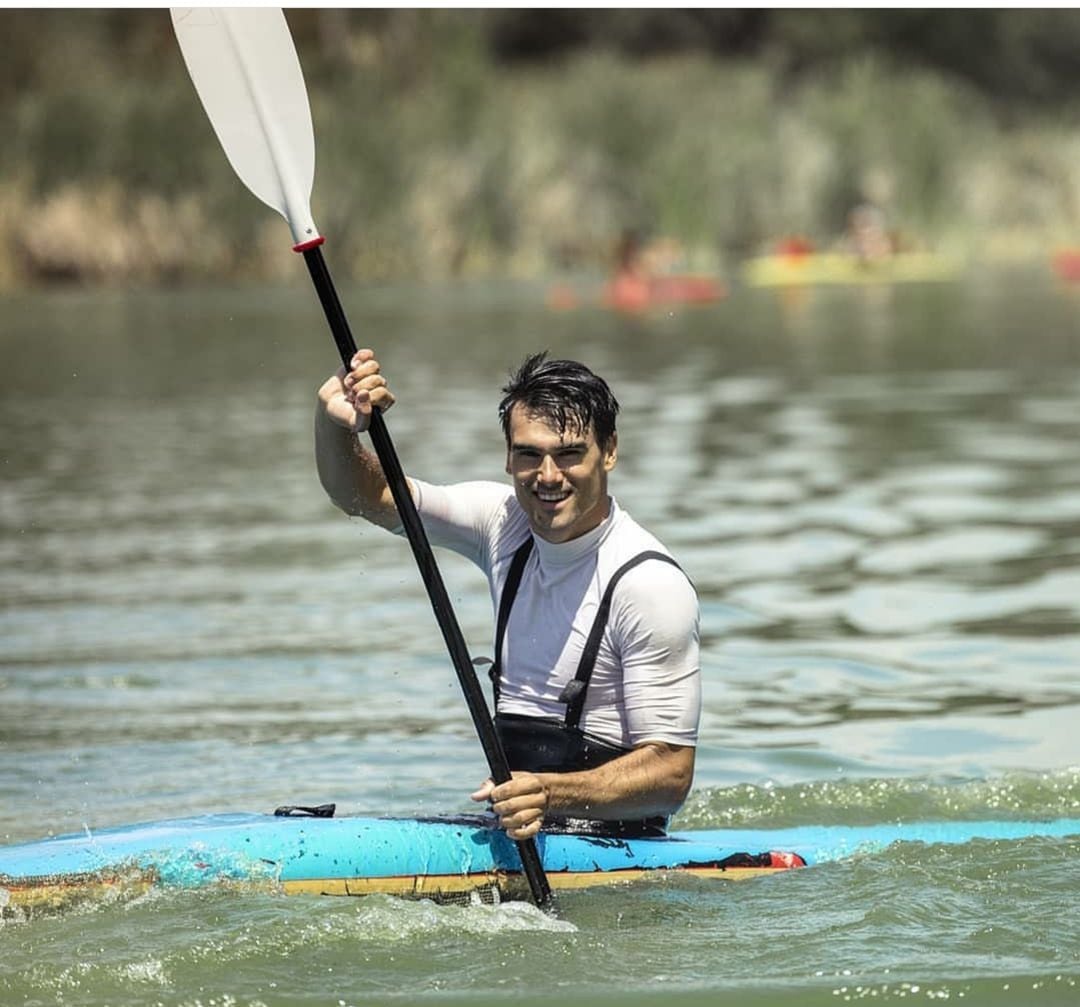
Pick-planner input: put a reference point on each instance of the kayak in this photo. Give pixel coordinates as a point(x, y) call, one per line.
point(844, 268)
point(1066, 263)
point(444, 859)
point(632, 295)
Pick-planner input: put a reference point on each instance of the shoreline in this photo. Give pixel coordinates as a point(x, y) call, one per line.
point(532, 173)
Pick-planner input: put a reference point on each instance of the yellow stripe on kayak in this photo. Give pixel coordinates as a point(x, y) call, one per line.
point(433, 886)
point(48, 895)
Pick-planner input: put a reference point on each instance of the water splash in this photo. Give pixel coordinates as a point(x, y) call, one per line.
point(1033, 796)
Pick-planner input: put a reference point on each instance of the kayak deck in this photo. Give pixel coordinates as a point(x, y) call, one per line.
point(447, 859)
point(444, 859)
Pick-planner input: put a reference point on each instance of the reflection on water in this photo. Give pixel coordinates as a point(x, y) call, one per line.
point(876, 492)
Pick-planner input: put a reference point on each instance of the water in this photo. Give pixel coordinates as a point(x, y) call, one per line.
point(876, 491)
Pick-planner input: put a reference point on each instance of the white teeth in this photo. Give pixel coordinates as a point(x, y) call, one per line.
point(552, 497)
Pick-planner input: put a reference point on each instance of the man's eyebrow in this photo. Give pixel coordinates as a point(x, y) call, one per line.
point(563, 446)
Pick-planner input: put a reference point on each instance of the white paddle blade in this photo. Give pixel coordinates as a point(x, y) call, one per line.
point(244, 66)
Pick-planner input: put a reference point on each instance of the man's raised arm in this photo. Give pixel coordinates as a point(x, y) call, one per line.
point(350, 474)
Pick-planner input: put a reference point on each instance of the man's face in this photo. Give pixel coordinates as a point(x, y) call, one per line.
point(560, 478)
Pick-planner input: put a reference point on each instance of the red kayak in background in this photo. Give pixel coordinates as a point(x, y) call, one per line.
point(1066, 263)
point(645, 277)
point(632, 294)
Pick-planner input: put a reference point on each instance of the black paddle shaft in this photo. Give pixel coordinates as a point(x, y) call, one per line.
point(429, 570)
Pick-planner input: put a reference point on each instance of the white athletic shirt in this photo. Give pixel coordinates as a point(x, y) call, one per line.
point(646, 684)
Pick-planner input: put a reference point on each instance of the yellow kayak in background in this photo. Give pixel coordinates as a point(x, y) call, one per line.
point(844, 268)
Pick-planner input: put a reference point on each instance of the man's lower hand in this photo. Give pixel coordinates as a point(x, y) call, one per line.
point(520, 803)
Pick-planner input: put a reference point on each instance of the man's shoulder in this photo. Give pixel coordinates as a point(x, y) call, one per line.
point(649, 578)
point(497, 497)
point(653, 578)
point(480, 504)
point(480, 493)
point(497, 509)
point(628, 538)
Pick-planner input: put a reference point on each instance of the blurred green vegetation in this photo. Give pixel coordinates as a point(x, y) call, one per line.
point(523, 142)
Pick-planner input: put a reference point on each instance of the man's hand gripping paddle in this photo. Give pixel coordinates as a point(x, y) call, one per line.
point(247, 74)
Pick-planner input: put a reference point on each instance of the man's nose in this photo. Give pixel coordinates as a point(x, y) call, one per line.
point(549, 471)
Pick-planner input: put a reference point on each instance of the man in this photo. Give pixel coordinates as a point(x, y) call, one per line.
point(596, 651)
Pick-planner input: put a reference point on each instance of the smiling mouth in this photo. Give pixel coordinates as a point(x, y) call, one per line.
point(552, 496)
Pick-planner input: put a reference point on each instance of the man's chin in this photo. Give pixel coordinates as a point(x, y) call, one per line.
point(557, 531)
point(548, 530)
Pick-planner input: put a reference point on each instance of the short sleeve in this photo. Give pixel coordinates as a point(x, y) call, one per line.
point(655, 628)
point(460, 517)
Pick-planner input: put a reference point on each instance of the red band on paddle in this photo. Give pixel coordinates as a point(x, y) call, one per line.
point(305, 245)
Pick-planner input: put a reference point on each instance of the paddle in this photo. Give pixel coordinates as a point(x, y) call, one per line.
point(247, 74)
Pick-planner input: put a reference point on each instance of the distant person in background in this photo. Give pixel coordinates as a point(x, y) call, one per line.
point(794, 246)
point(645, 276)
point(630, 287)
point(867, 236)
point(596, 651)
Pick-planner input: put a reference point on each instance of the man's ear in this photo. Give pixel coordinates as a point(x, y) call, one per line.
point(611, 453)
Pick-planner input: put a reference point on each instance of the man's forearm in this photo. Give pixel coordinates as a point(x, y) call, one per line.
point(350, 474)
point(651, 780)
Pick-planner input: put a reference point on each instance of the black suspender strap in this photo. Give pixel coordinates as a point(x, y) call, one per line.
point(574, 692)
point(506, 601)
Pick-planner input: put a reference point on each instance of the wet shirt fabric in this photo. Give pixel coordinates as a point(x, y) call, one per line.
point(646, 681)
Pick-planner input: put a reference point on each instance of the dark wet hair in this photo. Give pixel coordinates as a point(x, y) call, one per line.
point(565, 393)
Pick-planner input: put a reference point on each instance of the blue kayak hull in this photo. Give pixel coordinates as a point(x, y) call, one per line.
point(438, 858)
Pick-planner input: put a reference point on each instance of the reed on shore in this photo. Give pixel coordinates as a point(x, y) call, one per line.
point(452, 163)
